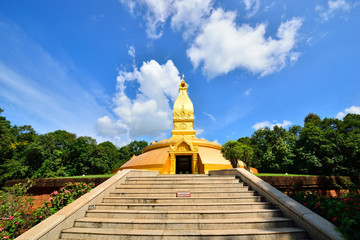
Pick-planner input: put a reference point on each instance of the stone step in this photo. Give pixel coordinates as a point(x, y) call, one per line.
point(174, 181)
point(187, 206)
point(182, 200)
point(187, 176)
point(180, 189)
point(242, 234)
point(219, 208)
point(184, 224)
point(154, 193)
point(172, 190)
point(183, 214)
point(187, 185)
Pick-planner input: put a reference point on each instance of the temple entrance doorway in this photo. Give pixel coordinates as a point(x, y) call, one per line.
point(183, 165)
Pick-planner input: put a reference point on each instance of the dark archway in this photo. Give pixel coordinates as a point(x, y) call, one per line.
point(183, 164)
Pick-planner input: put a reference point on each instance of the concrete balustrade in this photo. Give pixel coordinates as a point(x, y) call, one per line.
point(227, 204)
point(317, 227)
point(51, 228)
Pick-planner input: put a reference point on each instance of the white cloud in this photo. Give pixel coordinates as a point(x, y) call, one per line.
point(333, 7)
point(222, 46)
point(294, 56)
point(159, 11)
point(247, 92)
point(131, 51)
point(185, 14)
point(217, 42)
point(156, 14)
point(149, 113)
point(190, 15)
point(199, 131)
point(130, 4)
point(97, 17)
point(270, 125)
point(107, 127)
point(269, 6)
point(252, 6)
point(212, 118)
point(352, 109)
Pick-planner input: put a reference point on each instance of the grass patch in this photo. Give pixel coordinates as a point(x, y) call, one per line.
point(109, 175)
point(282, 175)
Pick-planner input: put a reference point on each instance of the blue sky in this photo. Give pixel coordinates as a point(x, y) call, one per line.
point(110, 69)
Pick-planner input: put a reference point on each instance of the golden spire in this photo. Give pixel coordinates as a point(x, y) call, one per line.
point(183, 112)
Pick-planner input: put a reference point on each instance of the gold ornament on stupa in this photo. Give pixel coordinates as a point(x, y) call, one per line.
point(183, 113)
point(183, 153)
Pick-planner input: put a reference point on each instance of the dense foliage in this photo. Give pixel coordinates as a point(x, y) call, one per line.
point(27, 154)
point(321, 147)
point(344, 211)
point(15, 211)
point(233, 150)
point(61, 198)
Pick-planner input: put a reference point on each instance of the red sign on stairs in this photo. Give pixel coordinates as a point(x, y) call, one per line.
point(183, 194)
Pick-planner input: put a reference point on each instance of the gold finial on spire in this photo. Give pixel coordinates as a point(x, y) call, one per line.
point(183, 112)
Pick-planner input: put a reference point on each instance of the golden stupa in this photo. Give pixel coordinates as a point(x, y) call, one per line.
point(183, 153)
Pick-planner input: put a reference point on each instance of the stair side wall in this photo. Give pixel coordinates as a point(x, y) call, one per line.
point(51, 228)
point(317, 227)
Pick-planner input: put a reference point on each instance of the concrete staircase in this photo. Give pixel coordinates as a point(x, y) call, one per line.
point(220, 207)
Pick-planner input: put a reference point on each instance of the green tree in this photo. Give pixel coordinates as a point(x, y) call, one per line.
point(126, 152)
point(274, 149)
point(14, 141)
point(320, 142)
point(124, 156)
point(311, 117)
point(231, 151)
point(6, 138)
point(108, 154)
point(246, 155)
point(25, 154)
point(245, 140)
point(351, 144)
point(326, 146)
point(82, 157)
point(136, 147)
point(47, 156)
point(234, 151)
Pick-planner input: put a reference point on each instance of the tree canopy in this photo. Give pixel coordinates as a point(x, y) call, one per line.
point(326, 146)
point(27, 154)
point(235, 150)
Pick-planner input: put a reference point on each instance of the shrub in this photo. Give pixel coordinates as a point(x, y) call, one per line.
point(15, 205)
point(344, 211)
point(61, 198)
